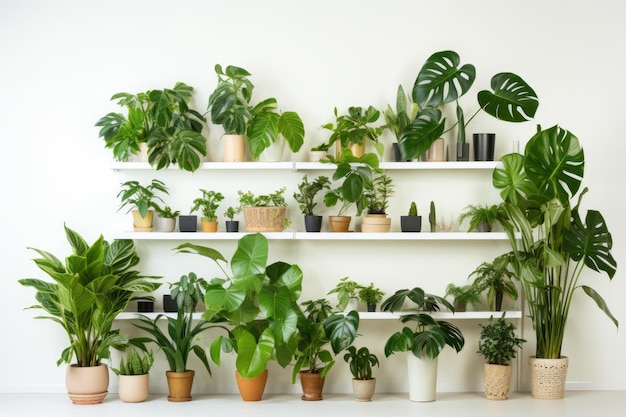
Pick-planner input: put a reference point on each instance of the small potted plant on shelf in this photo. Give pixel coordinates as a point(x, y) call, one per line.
point(360, 363)
point(143, 201)
point(168, 218)
point(306, 200)
point(423, 343)
point(318, 327)
point(377, 195)
point(463, 295)
point(482, 217)
point(319, 153)
point(400, 120)
point(347, 294)
point(412, 222)
point(351, 130)
point(498, 344)
point(178, 339)
point(159, 121)
point(133, 376)
point(264, 212)
point(232, 225)
point(497, 280)
point(94, 284)
point(371, 295)
point(208, 205)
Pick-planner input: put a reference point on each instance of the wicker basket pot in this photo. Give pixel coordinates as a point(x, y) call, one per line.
point(264, 219)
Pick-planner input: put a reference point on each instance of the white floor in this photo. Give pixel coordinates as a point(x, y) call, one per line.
point(575, 403)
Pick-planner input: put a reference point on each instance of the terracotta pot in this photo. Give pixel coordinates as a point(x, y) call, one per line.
point(133, 388)
point(339, 223)
point(142, 224)
point(497, 381)
point(251, 389)
point(234, 148)
point(363, 388)
point(547, 377)
point(179, 385)
point(376, 223)
point(87, 385)
point(264, 219)
point(312, 386)
point(208, 226)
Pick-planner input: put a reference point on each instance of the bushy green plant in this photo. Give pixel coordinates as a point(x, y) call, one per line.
point(307, 192)
point(249, 199)
point(231, 212)
point(142, 197)
point(480, 213)
point(167, 212)
point(463, 295)
point(355, 127)
point(377, 194)
point(371, 294)
point(345, 290)
point(208, 204)
point(136, 363)
point(496, 279)
point(360, 362)
point(498, 341)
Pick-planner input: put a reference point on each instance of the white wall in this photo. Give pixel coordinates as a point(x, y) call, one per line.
point(62, 60)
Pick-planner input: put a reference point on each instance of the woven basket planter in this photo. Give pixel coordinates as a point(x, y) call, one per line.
point(547, 377)
point(264, 219)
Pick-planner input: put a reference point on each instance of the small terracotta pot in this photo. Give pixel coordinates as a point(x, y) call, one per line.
point(208, 226)
point(179, 385)
point(312, 386)
point(339, 223)
point(251, 389)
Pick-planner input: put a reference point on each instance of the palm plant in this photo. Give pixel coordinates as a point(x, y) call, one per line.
point(496, 279)
point(88, 291)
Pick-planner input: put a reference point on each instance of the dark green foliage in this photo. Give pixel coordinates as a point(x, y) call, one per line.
point(498, 341)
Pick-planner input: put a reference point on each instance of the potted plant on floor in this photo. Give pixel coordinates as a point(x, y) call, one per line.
point(133, 376)
point(160, 121)
point(463, 295)
point(497, 280)
point(412, 222)
point(208, 205)
point(377, 195)
point(347, 294)
point(360, 363)
point(551, 245)
point(232, 225)
point(371, 295)
point(179, 337)
point(423, 343)
point(89, 290)
point(351, 130)
point(306, 200)
point(259, 303)
point(498, 344)
point(168, 218)
point(264, 212)
point(318, 327)
point(482, 217)
point(143, 200)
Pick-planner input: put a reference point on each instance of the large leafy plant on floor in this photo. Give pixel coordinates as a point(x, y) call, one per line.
point(94, 284)
point(257, 300)
point(542, 193)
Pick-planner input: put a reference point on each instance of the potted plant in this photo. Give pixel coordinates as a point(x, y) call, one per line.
point(259, 303)
point(318, 327)
point(347, 294)
point(371, 295)
point(354, 175)
point(496, 279)
point(162, 122)
point(143, 200)
point(264, 212)
point(232, 225)
point(424, 342)
point(319, 152)
point(208, 205)
point(442, 80)
point(399, 120)
point(259, 125)
point(463, 295)
point(351, 130)
point(179, 337)
point(89, 290)
point(360, 363)
point(168, 218)
point(498, 344)
point(482, 217)
point(377, 195)
point(306, 200)
point(551, 245)
point(133, 376)
point(412, 222)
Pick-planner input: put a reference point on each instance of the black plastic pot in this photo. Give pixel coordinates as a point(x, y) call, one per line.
point(169, 304)
point(232, 226)
point(411, 223)
point(145, 306)
point(484, 146)
point(187, 223)
point(312, 223)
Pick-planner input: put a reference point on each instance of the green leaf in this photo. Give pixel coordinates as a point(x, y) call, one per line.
point(427, 127)
point(250, 258)
point(291, 127)
point(512, 100)
point(341, 329)
point(262, 132)
point(252, 357)
point(590, 242)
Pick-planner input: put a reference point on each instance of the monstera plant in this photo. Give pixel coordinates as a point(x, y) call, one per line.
point(442, 80)
point(542, 193)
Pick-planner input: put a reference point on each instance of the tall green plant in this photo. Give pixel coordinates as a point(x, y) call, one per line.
point(542, 196)
point(94, 284)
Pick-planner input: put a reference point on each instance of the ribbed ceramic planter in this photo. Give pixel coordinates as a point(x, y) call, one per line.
point(376, 223)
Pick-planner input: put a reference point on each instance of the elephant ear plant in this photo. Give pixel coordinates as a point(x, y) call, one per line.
point(94, 284)
point(542, 193)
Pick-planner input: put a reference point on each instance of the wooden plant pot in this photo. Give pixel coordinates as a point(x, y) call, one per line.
point(179, 385)
point(339, 223)
point(142, 224)
point(312, 386)
point(251, 389)
point(376, 223)
point(497, 381)
point(133, 388)
point(208, 226)
point(264, 219)
point(363, 388)
point(87, 385)
point(547, 377)
point(234, 148)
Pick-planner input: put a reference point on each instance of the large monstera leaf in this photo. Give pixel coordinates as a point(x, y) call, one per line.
point(512, 99)
point(511, 179)
point(441, 80)
point(555, 163)
point(427, 127)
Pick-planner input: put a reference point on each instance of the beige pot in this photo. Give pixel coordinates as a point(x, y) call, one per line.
point(87, 385)
point(264, 219)
point(179, 385)
point(497, 381)
point(251, 389)
point(375, 223)
point(142, 156)
point(234, 148)
point(363, 388)
point(208, 226)
point(437, 151)
point(547, 377)
point(133, 388)
point(339, 223)
point(316, 156)
point(142, 224)
point(167, 224)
